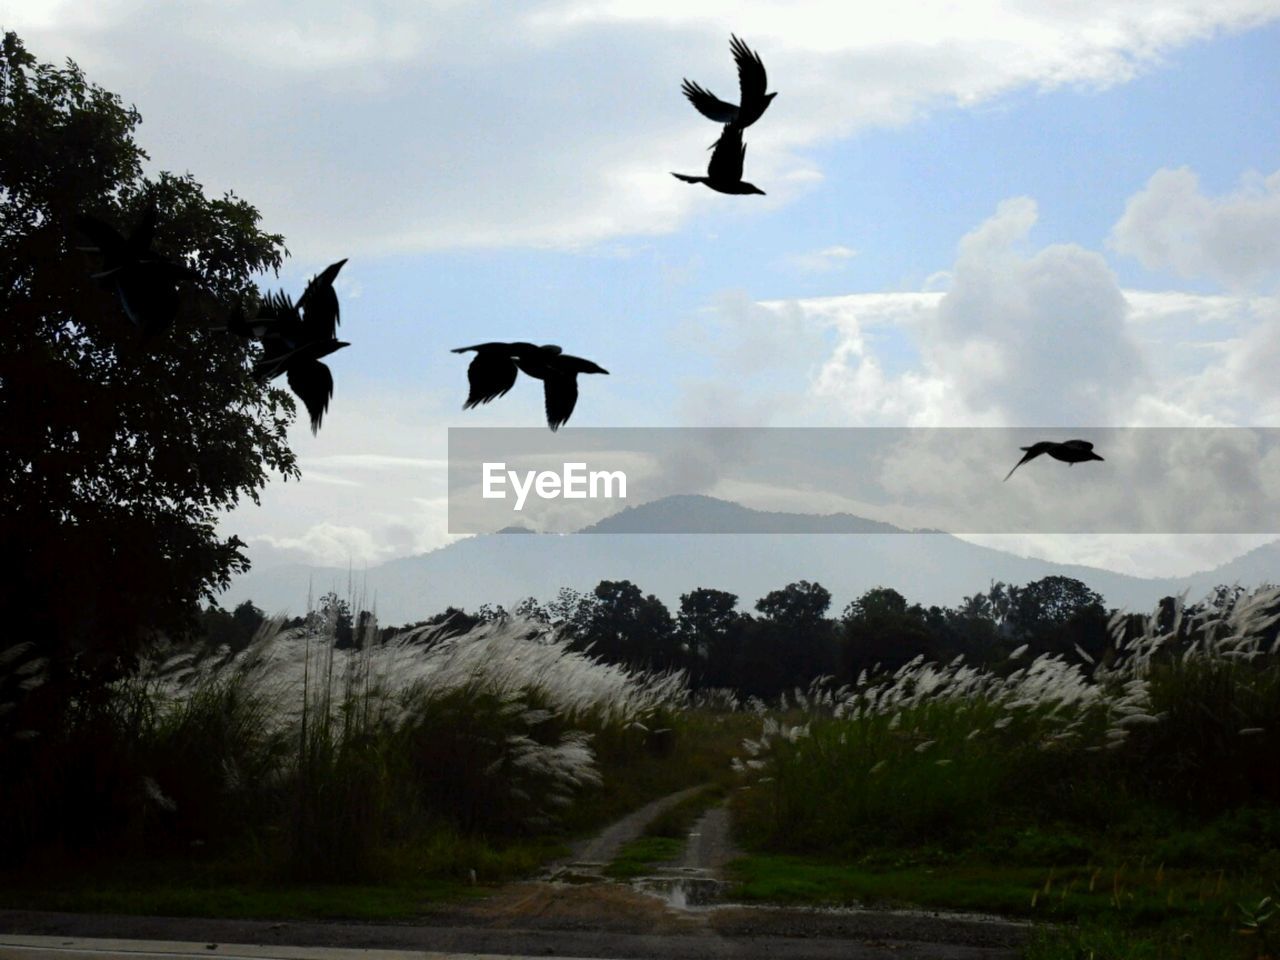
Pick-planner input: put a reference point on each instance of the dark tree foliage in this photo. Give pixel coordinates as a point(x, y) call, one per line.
point(622, 625)
point(234, 630)
point(119, 451)
point(880, 627)
point(793, 643)
point(709, 628)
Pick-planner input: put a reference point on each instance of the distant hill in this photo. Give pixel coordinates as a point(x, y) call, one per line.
point(634, 545)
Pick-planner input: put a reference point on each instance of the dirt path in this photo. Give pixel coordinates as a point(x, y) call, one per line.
point(592, 855)
point(574, 911)
point(710, 846)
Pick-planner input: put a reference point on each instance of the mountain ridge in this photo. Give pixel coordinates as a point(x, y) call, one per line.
point(639, 544)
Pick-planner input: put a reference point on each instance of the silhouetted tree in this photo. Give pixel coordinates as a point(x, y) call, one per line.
point(709, 628)
point(120, 452)
point(624, 626)
point(795, 629)
point(880, 627)
point(335, 614)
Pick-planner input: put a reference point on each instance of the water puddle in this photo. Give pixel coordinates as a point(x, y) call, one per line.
point(683, 892)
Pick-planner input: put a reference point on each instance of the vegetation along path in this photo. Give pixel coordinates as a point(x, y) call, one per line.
point(628, 888)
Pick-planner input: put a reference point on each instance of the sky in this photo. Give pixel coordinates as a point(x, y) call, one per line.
point(1037, 214)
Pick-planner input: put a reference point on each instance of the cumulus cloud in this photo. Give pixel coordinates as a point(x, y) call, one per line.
point(1022, 336)
point(1036, 338)
point(438, 125)
point(1033, 339)
point(1234, 240)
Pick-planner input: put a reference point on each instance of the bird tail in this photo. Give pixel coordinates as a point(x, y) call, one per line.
point(687, 178)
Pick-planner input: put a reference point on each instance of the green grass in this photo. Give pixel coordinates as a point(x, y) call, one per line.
point(239, 901)
point(1109, 941)
point(640, 856)
point(1134, 892)
point(677, 820)
point(257, 884)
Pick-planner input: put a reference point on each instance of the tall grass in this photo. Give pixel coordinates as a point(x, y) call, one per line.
point(340, 763)
point(1180, 720)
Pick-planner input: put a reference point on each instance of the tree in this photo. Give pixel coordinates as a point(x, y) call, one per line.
point(709, 629)
point(798, 637)
point(881, 627)
point(120, 450)
point(624, 626)
point(797, 603)
point(335, 614)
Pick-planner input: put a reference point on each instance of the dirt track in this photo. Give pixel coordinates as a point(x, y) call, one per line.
point(593, 917)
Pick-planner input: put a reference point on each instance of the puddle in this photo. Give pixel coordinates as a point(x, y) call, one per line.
point(683, 893)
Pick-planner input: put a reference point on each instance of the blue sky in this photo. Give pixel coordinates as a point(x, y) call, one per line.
point(978, 213)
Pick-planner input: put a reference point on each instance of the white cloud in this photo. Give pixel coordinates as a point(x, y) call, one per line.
point(377, 475)
point(1234, 240)
point(824, 260)
point(437, 125)
point(1021, 337)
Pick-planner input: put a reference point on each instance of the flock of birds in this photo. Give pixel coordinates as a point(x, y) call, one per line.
point(296, 336)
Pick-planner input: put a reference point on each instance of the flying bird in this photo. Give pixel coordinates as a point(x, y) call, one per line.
point(309, 379)
point(146, 284)
point(724, 172)
point(315, 316)
point(295, 336)
point(494, 369)
point(1069, 452)
point(752, 82)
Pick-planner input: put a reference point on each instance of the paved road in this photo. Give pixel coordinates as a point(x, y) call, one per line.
point(713, 935)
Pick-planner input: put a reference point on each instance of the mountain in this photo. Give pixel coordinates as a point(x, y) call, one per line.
point(636, 544)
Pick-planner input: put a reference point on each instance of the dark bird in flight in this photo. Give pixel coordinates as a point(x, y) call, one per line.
point(724, 172)
point(1069, 452)
point(316, 313)
point(295, 336)
point(493, 372)
point(309, 379)
point(146, 284)
point(752, 81)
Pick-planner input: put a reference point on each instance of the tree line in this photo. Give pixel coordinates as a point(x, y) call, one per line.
point(788, 639)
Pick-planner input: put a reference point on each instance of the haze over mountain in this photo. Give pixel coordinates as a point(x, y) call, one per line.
point(745, 551)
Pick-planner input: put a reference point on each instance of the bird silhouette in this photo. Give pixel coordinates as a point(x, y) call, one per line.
point(752, 81)
point(494, 368)
point(724, 172)
point(295, 336)
point(1069, 452)
point(316, 315)
point(146, 284)
point(309, 379)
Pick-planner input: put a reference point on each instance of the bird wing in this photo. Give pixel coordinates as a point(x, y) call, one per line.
point(319, 304)
point(275, 355)
point(752, 80)
point(1078, 444)
point(729, 156)
point(566, 363)
point(312, 381)
point(1033, 451)
point(490, 375)
point(708, 104)
point(275, 306)
point(561, 393)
